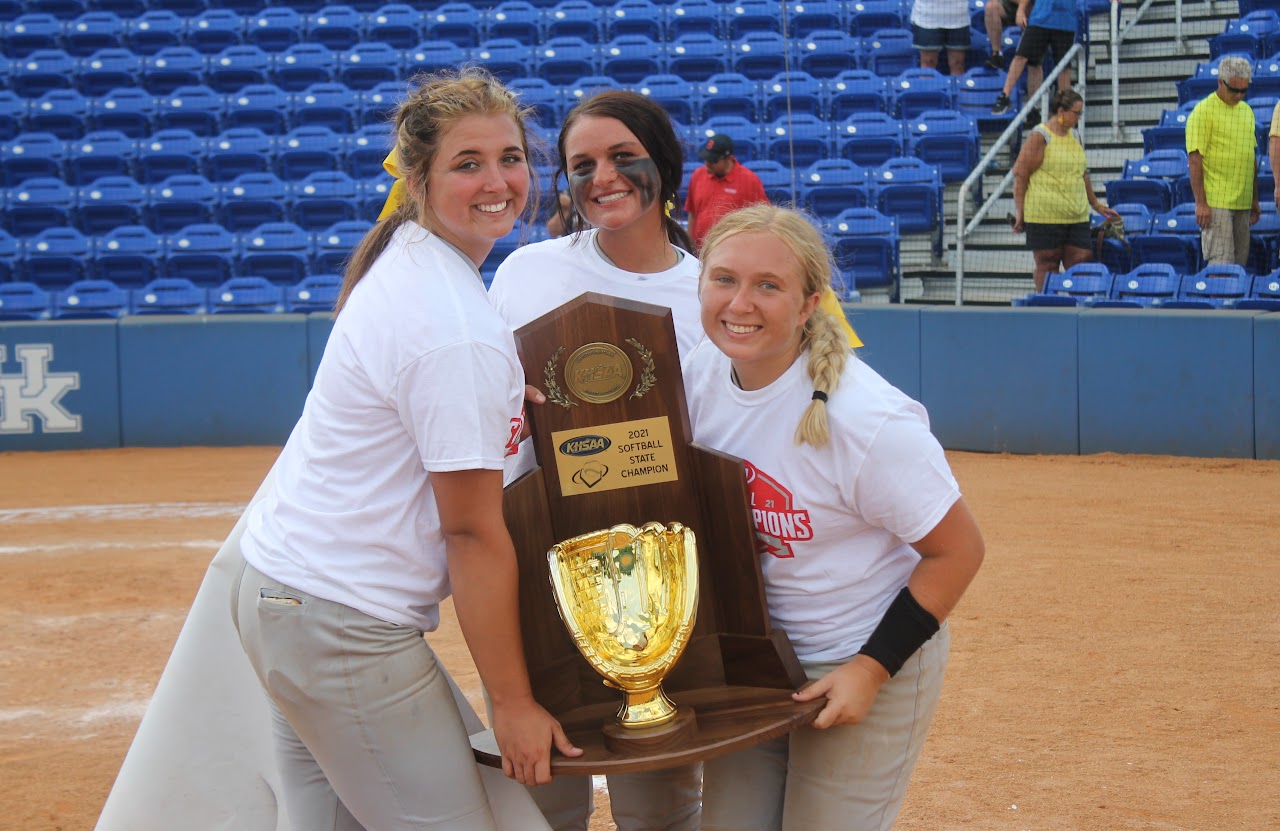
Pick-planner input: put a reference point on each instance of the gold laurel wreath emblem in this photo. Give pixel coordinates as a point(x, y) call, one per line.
point(549, 377)
point(647, 377)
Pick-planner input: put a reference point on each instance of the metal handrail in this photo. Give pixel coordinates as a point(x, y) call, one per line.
point(1117, 37)
point(962, 230)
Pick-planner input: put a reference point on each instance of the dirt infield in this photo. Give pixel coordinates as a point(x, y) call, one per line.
point(1114, 664)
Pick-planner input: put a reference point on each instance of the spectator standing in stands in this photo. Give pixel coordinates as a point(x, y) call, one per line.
point(997, 14)
point(941, 24)
point(1222, 159)
point(719, 187)
point(1052, 192)
point(557, 223)
point(1273, 151)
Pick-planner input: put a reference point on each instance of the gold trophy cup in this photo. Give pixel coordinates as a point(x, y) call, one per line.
point(629, 597)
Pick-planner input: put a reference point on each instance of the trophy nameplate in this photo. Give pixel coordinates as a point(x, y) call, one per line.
point(614, 448)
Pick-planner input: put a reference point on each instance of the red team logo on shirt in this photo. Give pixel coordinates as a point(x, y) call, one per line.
point(513, 442)
point(778, 523)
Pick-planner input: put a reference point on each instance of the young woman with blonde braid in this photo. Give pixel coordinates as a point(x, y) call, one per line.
point(864, 540)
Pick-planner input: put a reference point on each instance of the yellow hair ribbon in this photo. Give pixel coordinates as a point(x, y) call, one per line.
point(831, 306)
point(391, 164)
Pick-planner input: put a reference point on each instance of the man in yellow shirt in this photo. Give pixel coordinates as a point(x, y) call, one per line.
point(1222, 157)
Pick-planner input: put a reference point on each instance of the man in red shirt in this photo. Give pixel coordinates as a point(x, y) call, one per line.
point(719, 187)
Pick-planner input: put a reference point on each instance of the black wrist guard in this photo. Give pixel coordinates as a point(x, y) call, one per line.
point(903, 629)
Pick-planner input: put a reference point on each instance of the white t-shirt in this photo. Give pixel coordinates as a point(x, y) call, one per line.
point(543, 276)
point(419, 376)
point(833, 524)
point(940, 14)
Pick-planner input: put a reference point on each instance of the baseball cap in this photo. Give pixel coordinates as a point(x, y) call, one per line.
point(716, 148)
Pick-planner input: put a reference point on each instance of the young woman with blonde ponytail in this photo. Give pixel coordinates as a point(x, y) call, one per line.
point(864, 541)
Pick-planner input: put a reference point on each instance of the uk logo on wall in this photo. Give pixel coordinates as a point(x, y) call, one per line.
point(35, 392)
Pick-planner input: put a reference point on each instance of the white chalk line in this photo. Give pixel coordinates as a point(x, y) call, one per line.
point(115, 710)
point(99, 545)
point(129, 512)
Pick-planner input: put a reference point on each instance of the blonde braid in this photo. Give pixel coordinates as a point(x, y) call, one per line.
point(828, 347)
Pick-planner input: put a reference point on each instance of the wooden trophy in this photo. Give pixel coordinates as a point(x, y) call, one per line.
point(614, 448)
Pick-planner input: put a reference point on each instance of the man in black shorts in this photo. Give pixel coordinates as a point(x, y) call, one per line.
point(1048, 25)
point(997, 14)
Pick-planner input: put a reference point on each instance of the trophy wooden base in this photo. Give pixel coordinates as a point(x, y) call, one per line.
point(628, 741)
point(726, 719)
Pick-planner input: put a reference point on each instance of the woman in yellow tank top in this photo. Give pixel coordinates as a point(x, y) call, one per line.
point(1052, 192)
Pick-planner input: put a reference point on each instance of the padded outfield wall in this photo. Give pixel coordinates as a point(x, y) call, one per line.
point(998, 380)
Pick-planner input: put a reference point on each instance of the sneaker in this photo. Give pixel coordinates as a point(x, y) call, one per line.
point(1002, 105)
point(995, 61)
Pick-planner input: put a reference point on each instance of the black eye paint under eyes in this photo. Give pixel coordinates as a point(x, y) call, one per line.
point(643, 174)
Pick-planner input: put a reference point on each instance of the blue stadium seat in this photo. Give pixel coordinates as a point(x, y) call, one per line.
point(948, 139)
point(542, 96)
point(697, 56)
point(264, 106)
point(302, 65)
point(108, 69)
point(236, 151)
point(1245, 35)
point(866, 17)
point(506, 58)
point(562, 60)
point(1264, 237)
point(365, 65)
point(1264, 294)
point(759, 55)
point(243, 8)
point(831, 186)
point(826, 54)
point(306, 150)
point(13, 113)
point(365, 149)
point(169, 296)
point(796, 92)
point(1159, 164)
point(86, 299)
point(127, 255)
point(630, 58)
point(805, 18)
point(108, 202)
point(246, 295)
point(890, 51)
point(236, 67)
point(1137, 218)
point(856, 91)
point(378, 105)
point(695, 17)
point(330, 105)
point(371, 194)
point(434, 55)
point(9, 259)
point(168, 153)
point(777, 180)
point(1169, 134)
point(635, 17)
point(798, 140)
point(672, 93)
point(1081, 285)
point(315, 293)
point(62, 112)
point(321, 199)
point(458, 23)
point(514, 19)
point(180, 200)
point(728, 93)
point(743, 17)
point(172, 67)
point(41, 71)
point(866, 248)
point(870, 138)
point(336, 27)
point(275, 29)
point(199, 109)
point(129, 110)
point(203, 254)
point(1180, 250)
point(1153, 193)
point(398, 25)
point(278, 251)
point(1212, 287)
point(1117, 255)
point(575, 19)
point(160, 28)
point(911, 191)
point(55, 257)
point(133, 8)
point(917, 90)
point(31, 155)
point(745, 135)
point(1150, 284)
point(92, 31)
point(334, 245)
point(213, 30)
point(29, 33)
point(253, 199)
point(24, 301)
point(976, 92)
